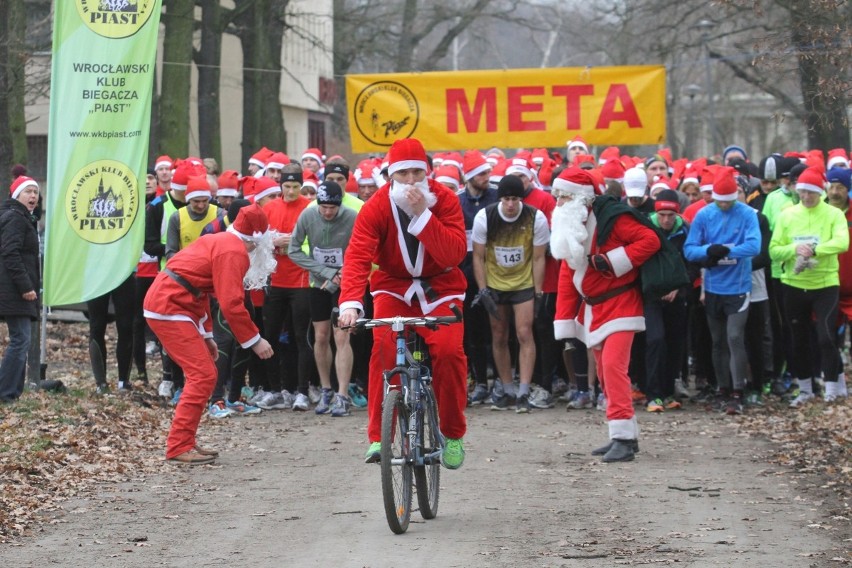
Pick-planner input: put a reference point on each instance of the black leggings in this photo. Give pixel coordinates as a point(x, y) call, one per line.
point(275, 308)
point(141, 331)
point(799, 307)
point(123, 300)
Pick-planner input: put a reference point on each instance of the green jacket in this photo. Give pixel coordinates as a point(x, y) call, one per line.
point(777, 201)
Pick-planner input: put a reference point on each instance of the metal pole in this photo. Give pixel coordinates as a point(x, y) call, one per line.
point(711, 106)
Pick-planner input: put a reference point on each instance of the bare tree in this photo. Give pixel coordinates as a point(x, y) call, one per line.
point(208, 59)
point(179, 20)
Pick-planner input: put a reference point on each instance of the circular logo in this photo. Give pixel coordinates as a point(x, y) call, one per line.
point(115, 19)
point(386, 111)
point(101, 202)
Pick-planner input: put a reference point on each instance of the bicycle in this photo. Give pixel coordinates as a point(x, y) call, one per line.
point(412, 442)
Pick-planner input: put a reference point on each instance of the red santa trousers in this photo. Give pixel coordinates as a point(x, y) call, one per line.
point(449, 366)
point(188, 349)
point(612, 358)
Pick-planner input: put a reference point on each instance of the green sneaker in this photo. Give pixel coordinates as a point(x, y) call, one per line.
point(453, 455)
point(374, 454)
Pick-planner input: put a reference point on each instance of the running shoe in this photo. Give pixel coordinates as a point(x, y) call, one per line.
point(256, 397)
point(356, 394)
point(176, 397)
point(540, 398)
point(219, 410)
point(479, 395)
point(324, 404)
point(166, 389)
point(582, 401)
point(522, 405)
point(638, 396)
point(558, 386)
point(601, 405)
point(341, 406)
point(753, 399)
point(734, 406)
point(301, 402)
point(505, 402)
point(671, 403)
point(680, 390)
point(242, 409)
point(151, 348)
point(289, 399)
point(453, 455)
point(655, 405)
point(801, 399)
point(246, 393)
point(273, 401)
point(314, 394)
point(374, 453)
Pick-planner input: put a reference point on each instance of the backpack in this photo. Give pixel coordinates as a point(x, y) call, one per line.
point(665, 270)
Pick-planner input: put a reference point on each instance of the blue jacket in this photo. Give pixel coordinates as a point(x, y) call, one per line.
point(470, 207)
point(738, 230)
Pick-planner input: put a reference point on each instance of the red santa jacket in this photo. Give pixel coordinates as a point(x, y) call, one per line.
point(377, 238)
point(212, 264)
point(545, 203)
point(845, 262)
point(282, 217)
point(628, 245)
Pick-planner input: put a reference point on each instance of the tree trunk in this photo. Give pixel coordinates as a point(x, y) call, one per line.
point(405, 55)
point(177, 60)
point(5, 135)
point(17, 62)
point(208, 60)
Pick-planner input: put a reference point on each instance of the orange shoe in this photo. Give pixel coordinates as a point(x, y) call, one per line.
point(672, 404)
point(638, 397)
point(655, 405)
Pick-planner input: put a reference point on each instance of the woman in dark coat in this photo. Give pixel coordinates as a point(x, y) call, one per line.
point(19, 282)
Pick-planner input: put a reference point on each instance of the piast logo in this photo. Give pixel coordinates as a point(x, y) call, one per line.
point(101, 202)
point(115, 19)
point(386, 111)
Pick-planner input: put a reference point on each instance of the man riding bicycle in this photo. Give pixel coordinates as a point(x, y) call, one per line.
point(413, 230)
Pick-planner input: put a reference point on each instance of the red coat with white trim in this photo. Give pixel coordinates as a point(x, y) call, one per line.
point(213, 264)
point(628, 245)
point(377, 238)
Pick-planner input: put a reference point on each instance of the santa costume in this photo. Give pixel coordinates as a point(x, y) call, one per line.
point(599, 300)
point(418, 273)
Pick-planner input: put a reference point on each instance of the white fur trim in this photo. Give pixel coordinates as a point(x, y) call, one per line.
point(725, 196)
point(226, 192)
point(316, 157)
point(560, 184)
point(354, 305)
point(178, 186)
point(267, 191)
point(164, 163)
point(577, 144)
point(519, 170)
point(477, 170)
point(257, 163)
point(406, 165)
point(450, 182)
point(837, 160)
point(199, 325)
point(23, 186)
point(198, 193)
point(419, 222)
point(621, 264)
point(250, 342)
point(275, 165)
point(809, 187)
point(564, 329)
point(689, 180)
point(623, 429)
point(708, 187)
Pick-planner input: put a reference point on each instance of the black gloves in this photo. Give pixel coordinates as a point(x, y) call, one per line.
point(485, 297)
point(717, 251)
point(601, 263)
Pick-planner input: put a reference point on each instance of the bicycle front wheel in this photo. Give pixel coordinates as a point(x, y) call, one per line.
point(396, 463)
point(428, 476)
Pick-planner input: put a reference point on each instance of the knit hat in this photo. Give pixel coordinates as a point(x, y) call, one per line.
point(733, 148)
point(837, 157)
point(337, 168)
point(406, 153)
point(292, 176)
point(449, 176)
point(474, 163)
point(609, 153)
point(840, 175)
point(277, 161)
point(812, 179)
point(260, 157)
point(262, 187)
point(20, 184)
point(510, 186)
point(577, 142)
point(667, 200)
point(229, 183)
point(197, 187)
point(251, 223)
point(314, 153)
point(575, 181)
point(725, 184)
point(329, 193)
point(635, 182)
point(164, 161)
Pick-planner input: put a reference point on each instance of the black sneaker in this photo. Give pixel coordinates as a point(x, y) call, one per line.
point(523, 405)
point(734, 406)
point(504, 402)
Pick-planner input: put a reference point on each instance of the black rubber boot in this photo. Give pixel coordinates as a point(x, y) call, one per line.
point(98, 367)
point(621, 451)
point(604, 449)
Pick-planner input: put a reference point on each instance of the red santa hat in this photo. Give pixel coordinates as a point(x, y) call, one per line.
point(707, 178)
point(725, 184)
point(277, 161)
point(406, 154)
point(314, 153)
point(185, 169)
point(494, 155)
point(198, 186)
point(609, 153)
point(539, 155)
point(20, 184)
point(613, 169)
point(474, 163)
point(519, 165)
point(310, 179)
point(812, 179)
point(163, 161)
point(260, 188)
point(453, 159)
point(251, 223)
point(690, 176)
point(837, 157)
point(575, 181)
point(576, 142)
point(449, 176)
point(260, 157)
point(660, 183)
point(229, 183)
point(437, 160)
point(498, 171)
point(365, 172)
point(586, 159)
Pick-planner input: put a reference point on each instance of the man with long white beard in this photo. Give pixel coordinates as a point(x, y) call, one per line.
point(177, 308)
point(413, 230)
point(599, 300)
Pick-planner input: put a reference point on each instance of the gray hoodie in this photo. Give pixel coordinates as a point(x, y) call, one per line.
point(327, 241)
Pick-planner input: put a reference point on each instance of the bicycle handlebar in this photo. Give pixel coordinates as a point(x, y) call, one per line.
point(409, 321)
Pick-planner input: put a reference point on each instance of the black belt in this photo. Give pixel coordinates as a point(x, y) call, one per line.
point(183, 282)
point(595, 300)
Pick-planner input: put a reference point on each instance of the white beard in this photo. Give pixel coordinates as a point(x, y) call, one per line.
point(262, 262)
point(398, 195)
point(569, 234)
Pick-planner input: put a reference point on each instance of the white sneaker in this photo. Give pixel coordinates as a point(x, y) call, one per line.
point(829, 394)
point(841, 386)
point(288, 398)
point(301, 402)
point(314, 394)
point(151, 348)
point(166, 389)
point(800, 400)
point(680, 390)
point(257, 397)
point(273, 401)
point(601, 405)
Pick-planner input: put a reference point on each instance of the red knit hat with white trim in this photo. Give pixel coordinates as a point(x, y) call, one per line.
point(164, 161)
point(520, 165)
point(725, 184)
point(474, 164)
point(578, 142)
point(406, 154)
point(314, 153)
point(613, 169)
point(20, 184)
point(260, 157)
point(449, 176)
point(229, 184)
point(251, 223)
point(185, 169)
point(198, 186)
point(812, 179)
point(837, 157)
point(260, 188)
point(575, 181)
point(277, 161)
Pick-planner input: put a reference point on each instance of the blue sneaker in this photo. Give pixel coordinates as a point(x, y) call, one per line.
point(341, 406)
point(357, 396)
point(219, 410)
point(176, 397)
point(242, 409)
point(246, 393)
point(324, 404)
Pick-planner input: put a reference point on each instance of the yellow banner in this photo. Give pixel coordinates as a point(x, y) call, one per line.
point(508, 109)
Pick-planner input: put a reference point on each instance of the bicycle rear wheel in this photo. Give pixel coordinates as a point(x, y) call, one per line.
point(428, 477)
point(396, 478)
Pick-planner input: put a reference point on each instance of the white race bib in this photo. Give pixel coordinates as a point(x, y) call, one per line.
point(330, 257)
point(509, 257)
point(469, 234)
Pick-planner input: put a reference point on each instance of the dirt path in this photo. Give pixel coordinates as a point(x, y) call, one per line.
point(290, 490)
